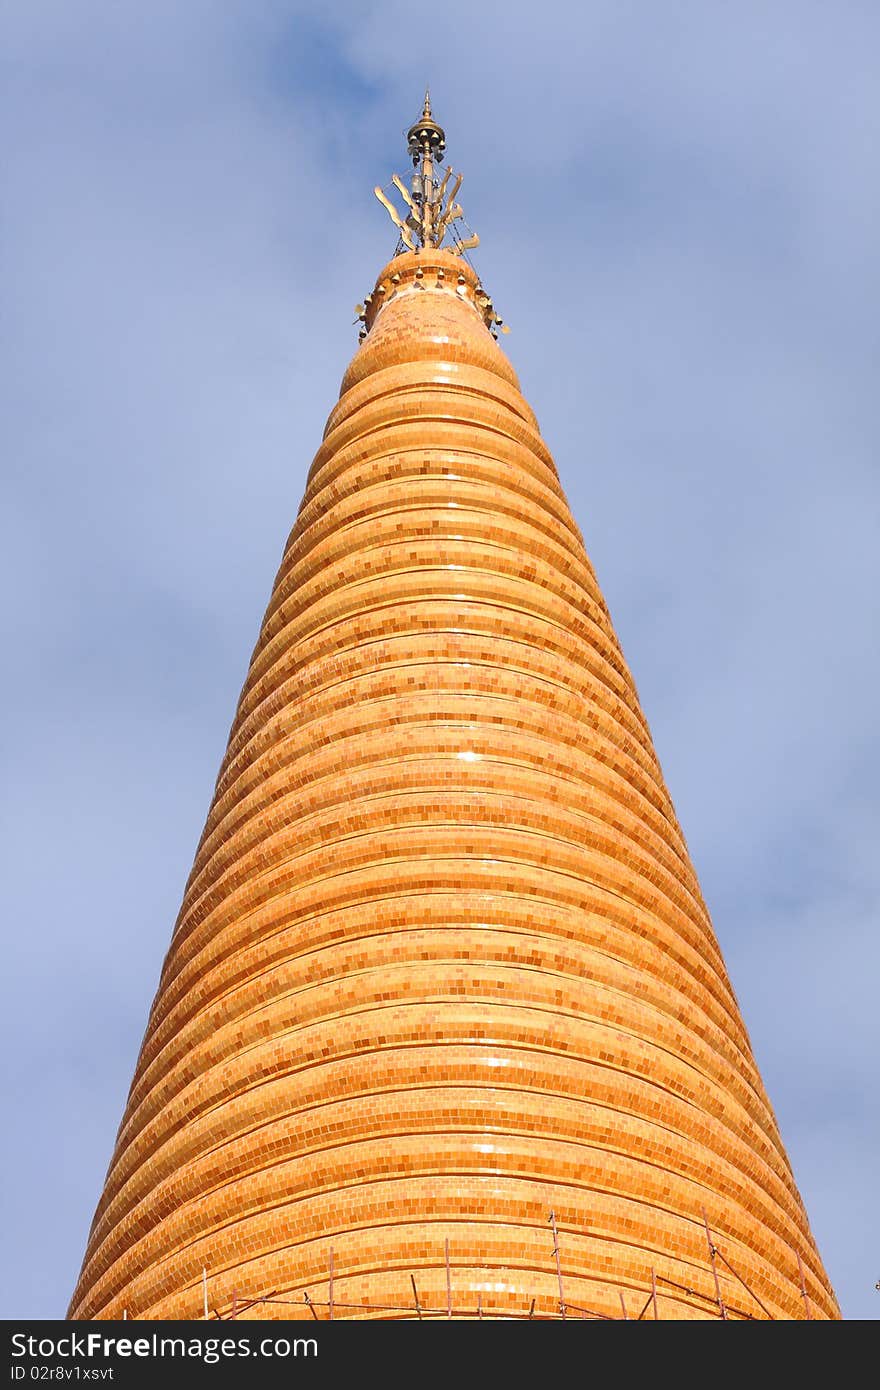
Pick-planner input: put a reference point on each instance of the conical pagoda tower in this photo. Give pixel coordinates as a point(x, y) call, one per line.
point(444, 1020)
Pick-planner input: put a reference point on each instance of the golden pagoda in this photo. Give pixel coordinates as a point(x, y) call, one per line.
point(444, 1029)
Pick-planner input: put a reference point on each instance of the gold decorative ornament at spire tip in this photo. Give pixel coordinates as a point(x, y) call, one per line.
point(430, 211)
point(430, 216)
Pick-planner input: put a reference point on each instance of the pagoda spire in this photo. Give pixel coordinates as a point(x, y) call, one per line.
point(431, 214)
point(444, 1025)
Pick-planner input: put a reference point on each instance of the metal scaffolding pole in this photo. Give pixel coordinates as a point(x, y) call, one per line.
point(712, 1253)
point(558, 1264)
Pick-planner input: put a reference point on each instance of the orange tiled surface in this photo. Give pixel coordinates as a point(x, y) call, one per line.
point(442, 962)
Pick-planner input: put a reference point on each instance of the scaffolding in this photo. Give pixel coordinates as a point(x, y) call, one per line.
point(738, 1302)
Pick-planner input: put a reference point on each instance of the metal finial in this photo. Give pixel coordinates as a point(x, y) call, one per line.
point(430, 218)
point(432, 214)
point(426, 136)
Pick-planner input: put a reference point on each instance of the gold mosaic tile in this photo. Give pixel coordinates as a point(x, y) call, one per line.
point(442, 963)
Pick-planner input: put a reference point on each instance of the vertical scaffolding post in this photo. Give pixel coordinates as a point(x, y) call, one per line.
point(712, 1253)
point(803, 1287)
point(412, 1280)
point(654, 1294)
point(623, 1306)
point(558, 1264)
point(448, 1280)
point(205, 1293)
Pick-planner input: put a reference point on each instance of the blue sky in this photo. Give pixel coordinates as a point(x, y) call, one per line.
point(678, 210)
